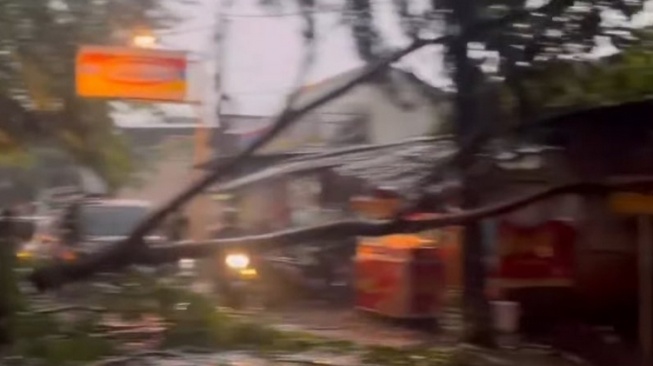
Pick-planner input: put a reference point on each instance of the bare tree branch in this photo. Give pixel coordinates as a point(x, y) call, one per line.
point(310, 45)
point(348, 228)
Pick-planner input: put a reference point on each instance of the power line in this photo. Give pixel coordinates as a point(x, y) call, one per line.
point(207, 27)
point(325, 10)
point(261, 92)
point(185, 30)
point(319, 10)
point(288, 14)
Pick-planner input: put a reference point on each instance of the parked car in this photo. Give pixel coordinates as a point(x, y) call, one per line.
point(33, 229)
point(88, 225)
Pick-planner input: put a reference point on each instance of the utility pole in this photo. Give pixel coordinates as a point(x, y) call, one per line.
point(645, 255)
point(210, 113)
point(475, 307)
point(8, 288)
point(220, 42)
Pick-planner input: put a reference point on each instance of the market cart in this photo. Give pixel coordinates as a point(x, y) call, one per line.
point(405, 276)
point(399, 276)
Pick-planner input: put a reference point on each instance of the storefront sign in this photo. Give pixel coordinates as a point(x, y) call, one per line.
point(632, 203)
point(131, 73)
point(536, 254)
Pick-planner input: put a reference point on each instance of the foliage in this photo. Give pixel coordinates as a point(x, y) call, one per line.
point(200, 324)
point(193, 323)
point(615, 79)
point(511, 56)
point(568, 27)
point(44, 338)
point(38, 44)
point(196, 326)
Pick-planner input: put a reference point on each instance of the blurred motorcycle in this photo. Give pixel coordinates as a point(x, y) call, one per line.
point(239, 280)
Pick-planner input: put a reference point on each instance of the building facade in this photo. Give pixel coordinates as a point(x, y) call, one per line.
point(375, 112)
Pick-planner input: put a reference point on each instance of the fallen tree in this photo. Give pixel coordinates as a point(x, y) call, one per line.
point(133, 249)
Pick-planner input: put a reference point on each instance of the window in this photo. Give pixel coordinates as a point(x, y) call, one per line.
point(343, 128)
point(110, 220)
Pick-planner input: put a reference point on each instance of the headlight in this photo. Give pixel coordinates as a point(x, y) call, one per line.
point(237, 261)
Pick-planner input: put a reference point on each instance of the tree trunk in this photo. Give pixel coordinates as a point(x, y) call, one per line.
point(475, 307)
point(8, 287)
point(476, 312)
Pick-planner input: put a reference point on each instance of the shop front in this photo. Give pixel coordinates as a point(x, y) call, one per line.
point(535, 266)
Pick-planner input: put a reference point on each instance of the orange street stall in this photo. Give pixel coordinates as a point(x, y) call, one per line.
point(404, 276)
point(399, 276)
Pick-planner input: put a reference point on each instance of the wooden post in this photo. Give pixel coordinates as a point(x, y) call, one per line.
point(199, 206)
point(8, 288)
point(645, 255)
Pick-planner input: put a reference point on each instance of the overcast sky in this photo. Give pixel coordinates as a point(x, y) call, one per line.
point(264, 51)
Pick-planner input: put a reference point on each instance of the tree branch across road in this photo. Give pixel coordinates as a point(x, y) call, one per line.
point(134, 249)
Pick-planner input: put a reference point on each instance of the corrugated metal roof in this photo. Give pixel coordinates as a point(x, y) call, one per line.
point(399, 168)
point(402, 166)
point(408, 169)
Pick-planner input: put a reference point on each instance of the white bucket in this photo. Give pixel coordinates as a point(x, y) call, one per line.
point(506, 316)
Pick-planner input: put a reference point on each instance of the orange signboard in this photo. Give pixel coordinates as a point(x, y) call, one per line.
point(131, 73)
point(632, 203)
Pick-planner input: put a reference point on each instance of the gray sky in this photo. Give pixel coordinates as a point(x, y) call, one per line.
point(264, 51)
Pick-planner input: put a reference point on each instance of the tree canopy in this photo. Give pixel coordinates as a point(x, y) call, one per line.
point(537, 62)
point(38, 45)
point(618, 78)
